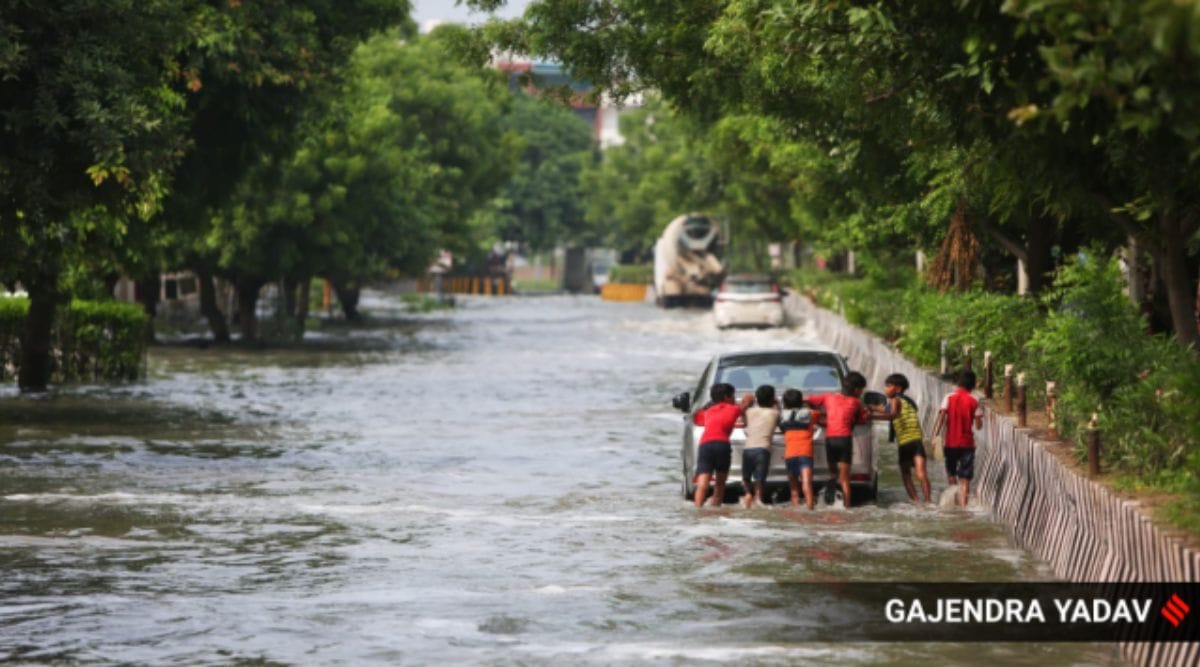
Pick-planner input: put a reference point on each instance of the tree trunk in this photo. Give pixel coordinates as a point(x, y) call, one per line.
point(247, 297)
point(36, 345)
point(347, 295)
point(1197, 308)
point(1176, 280)
point(148, 290)
point(1181, 294)
point(1039, 240)
point(209, 308)
point(302, 302)
point(287, 287)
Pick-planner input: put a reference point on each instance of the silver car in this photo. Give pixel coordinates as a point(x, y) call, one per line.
point(813, 370)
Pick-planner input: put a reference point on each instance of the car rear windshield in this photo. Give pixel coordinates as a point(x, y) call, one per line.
point(748, 287)
point(810, 372)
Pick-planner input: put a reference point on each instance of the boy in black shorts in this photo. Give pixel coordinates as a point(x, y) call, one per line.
point(906, 431)
point(960, 415)
point(842, 412)
point(715, 454)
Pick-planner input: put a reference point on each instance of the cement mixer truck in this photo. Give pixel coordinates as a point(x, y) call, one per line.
point(687, 261)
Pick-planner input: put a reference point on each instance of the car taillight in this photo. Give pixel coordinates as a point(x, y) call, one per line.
point(860, 478)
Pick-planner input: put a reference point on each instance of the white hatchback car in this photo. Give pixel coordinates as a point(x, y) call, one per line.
point(748, 300)
point(812, 370)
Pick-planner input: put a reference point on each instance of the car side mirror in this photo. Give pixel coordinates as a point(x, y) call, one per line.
point(874, 398)
point(682, 402)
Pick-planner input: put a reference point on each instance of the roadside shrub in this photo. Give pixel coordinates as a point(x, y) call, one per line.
point(93, 340)
point(1093, 341)
point(1001, 323)
point(101, 340)
point(637, 274)
point(1150, 424)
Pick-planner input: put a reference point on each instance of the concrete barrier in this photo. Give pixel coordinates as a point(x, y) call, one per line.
point(1081, 529)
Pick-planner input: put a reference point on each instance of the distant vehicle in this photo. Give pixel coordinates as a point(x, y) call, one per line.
point(601, 260)
point(687, 261)
point(812, 370)
point(748, 300)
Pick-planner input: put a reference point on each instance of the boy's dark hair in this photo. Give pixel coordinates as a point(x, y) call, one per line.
point(853, 382)
point(898, 380)
point(721, 391)
point(966, 380)
point(793, 398)
point(765, 396)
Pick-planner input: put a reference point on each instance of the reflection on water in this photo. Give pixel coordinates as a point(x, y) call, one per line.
point(498, 484)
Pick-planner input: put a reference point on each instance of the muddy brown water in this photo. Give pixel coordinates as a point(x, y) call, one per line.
point(496, 484)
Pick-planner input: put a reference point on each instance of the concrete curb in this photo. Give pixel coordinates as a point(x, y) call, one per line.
point(1083, 531)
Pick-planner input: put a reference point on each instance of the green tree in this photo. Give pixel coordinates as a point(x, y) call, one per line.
point(254, 73)
point(542, 205)
point(394, 164)
point(1126, 74)
point(658, 173)
point(92, 128)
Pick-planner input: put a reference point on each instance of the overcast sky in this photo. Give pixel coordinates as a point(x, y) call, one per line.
point(428, 13)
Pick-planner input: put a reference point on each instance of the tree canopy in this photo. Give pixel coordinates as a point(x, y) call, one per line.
point(1041, 124)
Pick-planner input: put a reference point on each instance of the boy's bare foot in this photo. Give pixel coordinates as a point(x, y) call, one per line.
point(746, 500)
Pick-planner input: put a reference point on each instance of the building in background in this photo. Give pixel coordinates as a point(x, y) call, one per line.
point(602, 115)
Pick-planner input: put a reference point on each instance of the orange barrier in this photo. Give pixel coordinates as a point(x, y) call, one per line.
point(485, 285)
point(623, 292)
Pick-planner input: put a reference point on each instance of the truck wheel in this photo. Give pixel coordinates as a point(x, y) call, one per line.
point(689, 491)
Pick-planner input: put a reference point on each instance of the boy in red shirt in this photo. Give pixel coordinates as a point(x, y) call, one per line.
point(959, 412)
point(842, 411)
point(715, 454)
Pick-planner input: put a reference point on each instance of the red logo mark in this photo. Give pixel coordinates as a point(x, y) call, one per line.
point(1175, 610)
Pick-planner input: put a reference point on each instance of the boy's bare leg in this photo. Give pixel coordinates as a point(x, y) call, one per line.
point(794, 488)
point(833, 480)
point(964, 492)
point(844, 479)
point(922, 478)
point(906, 475)
point(701, 488)
point(748, 496)
point(719, 488)
point(808, 490)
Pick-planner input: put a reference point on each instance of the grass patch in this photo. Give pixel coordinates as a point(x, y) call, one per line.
point(423, 303)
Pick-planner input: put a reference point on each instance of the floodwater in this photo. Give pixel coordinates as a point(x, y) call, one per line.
point(495, 484)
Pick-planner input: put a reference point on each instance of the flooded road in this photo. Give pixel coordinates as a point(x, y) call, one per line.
point(496, 484)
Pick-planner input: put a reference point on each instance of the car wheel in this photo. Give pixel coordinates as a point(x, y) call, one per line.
point(689, 490)
point(873, 491)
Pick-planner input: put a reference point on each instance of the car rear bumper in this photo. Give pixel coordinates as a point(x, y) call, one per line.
point(748, 313)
